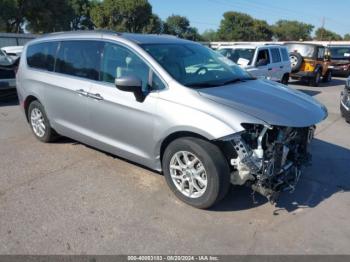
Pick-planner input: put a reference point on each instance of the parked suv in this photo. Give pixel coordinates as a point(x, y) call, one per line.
point(270, 61)
point(171, 105)
point(340, 60)
point(8, 68)
point(345, 101)
point(309, 62)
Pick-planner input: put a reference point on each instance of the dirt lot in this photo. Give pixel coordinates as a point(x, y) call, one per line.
point(67, 198)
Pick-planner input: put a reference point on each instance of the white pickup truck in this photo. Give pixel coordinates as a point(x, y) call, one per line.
point(268, 61)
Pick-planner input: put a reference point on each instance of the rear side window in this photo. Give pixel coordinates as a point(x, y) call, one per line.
point(284, 53)
point(320, 53)
point(276, 57)
point(79, 58)
point(42, 56)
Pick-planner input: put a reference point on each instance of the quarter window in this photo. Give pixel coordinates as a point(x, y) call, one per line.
point(276, 57)
point(119, 61)
point(42, 56)
point(79, 58)
point(320, 54)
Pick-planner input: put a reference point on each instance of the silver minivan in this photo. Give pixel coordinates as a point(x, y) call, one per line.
point(171, 105)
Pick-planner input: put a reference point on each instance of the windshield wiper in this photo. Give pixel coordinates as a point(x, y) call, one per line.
point(235, 80)
point(202, 84)
point(208, 84)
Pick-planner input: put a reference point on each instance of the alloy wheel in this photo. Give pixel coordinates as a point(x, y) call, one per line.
point(188, 174)
point(38, 122)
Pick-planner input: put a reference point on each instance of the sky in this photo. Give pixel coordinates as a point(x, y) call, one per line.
point(207, 14)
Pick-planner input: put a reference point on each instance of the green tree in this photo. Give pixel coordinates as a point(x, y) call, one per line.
point(262, 31)
point(346, 37)
point(209, 35)
point(180, 26)
point(45, 16)
point(81, 14)
point(285, 30)
point(122, 15)
point(236, 26)
point(12, 14)
point(154, 26)
point(322, 34)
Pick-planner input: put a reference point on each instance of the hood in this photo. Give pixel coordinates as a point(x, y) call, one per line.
point(269, 101)
point(340, 61)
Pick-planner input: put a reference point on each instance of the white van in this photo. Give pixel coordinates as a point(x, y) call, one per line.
point(268, 61)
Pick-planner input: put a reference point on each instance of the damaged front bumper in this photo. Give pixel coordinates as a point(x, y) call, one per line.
point(269, 159)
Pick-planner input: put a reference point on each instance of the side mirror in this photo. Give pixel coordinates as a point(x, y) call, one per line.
point(131, 84)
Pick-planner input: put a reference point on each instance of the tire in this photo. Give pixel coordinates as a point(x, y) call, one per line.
point(39, 123)
point(296, 61)
point(285, 79)
point(327, 77)
point(215, 171)
point(315, 81)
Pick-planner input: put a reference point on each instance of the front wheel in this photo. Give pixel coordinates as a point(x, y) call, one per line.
point(196, 171)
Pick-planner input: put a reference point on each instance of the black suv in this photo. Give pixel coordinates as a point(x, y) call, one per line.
point(345, 101)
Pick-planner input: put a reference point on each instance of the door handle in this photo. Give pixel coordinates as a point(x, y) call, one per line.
point(281, 66)
point(82, 92)
point(269, 69)
point(95, 96)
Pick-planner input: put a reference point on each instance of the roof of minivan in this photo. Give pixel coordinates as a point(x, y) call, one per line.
point(133, 37)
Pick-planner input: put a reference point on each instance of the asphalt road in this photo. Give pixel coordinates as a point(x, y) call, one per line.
point(67, 198)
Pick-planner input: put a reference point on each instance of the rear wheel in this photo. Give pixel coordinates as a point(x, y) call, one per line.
point(315, 81)
point(39, 123)
point(196, 171)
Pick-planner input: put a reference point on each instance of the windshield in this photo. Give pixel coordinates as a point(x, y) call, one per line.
point(194, 65)
point(303, 50)
point(241, 56)
point(342, 52)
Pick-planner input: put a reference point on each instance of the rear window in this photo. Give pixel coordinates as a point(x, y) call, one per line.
point(42, 56)
point(276, 57)
point(80, 58)
point(285, 55)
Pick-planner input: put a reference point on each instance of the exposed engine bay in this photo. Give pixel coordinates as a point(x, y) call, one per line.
point(268, 158)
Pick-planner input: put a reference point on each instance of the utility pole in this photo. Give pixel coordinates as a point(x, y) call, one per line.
point(322, 27)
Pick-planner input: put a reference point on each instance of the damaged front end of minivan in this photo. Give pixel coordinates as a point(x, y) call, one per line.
point(267, 158)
